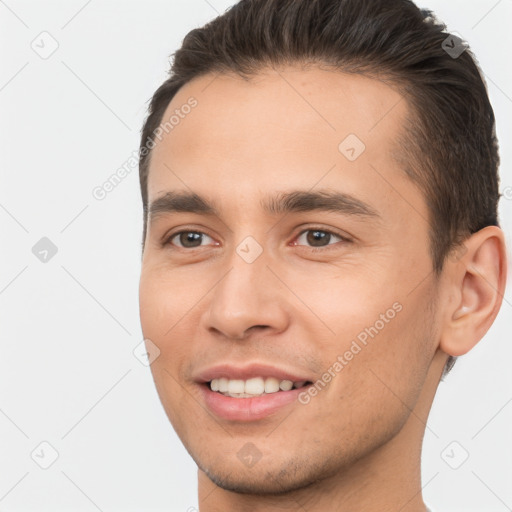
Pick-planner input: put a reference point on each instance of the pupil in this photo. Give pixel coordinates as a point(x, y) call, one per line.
point(316, 236)
point(190, 236)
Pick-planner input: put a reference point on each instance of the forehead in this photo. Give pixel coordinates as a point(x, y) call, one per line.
point(285, 126)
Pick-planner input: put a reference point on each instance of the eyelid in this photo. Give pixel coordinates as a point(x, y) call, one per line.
point(166, 240)
point(329, 230)
point(343, 237)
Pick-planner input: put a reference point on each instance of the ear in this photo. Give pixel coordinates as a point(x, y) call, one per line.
point(475, 287)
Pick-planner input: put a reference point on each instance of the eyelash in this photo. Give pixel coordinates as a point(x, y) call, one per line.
point(313, 249)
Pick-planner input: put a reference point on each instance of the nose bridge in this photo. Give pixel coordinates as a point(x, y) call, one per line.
point(247, 295)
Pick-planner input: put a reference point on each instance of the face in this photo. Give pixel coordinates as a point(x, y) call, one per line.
point(309, 269)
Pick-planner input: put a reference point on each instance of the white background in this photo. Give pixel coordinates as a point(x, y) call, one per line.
point(68, 327)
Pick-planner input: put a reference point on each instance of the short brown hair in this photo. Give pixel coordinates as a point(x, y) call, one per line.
point(448, 147)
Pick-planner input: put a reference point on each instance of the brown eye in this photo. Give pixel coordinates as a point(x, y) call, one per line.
point(188, 239)
point(318, 238)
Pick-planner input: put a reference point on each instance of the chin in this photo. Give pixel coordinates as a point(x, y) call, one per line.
point(264, 481)
point(272, 475)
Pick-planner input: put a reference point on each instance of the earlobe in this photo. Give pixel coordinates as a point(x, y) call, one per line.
point(478, 281)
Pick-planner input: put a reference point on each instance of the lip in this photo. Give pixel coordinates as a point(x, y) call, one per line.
point(229, 371)
point(247, 409)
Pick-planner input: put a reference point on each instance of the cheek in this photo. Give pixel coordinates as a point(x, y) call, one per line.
point(382, 333)
point(163, 302)
point(342, 308)
point(162, 313)
point(163, 307)
point(390, 370)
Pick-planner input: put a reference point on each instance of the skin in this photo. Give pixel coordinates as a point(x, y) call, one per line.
point(357, 444)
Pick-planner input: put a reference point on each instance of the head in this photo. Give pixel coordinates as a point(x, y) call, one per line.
point(347, 118)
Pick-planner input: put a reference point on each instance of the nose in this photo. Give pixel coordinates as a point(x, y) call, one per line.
point(248, 298)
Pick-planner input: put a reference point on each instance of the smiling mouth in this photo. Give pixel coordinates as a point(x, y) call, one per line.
point(257, 386)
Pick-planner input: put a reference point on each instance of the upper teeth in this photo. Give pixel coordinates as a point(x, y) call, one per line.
point(252, 387)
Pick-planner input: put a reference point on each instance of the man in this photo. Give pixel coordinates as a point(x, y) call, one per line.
point(319, 180)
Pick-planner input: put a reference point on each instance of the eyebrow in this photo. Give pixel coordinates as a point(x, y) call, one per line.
point(280, 203)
